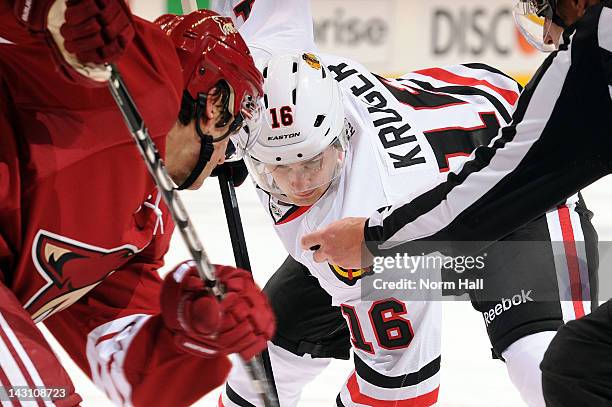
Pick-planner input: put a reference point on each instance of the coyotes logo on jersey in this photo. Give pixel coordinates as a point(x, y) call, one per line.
point(71, 269)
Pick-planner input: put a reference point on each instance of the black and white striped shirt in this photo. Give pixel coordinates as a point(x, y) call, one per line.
point(559, 141)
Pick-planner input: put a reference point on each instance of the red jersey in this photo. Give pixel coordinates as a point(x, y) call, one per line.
point(82, 229)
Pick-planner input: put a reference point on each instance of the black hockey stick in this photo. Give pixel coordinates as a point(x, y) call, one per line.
point(156, 167)
point(234, 222)
point(241, 255)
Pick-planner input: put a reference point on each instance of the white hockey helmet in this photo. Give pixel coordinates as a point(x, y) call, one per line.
point(302, 132)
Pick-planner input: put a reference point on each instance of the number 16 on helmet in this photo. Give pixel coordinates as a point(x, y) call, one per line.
point(300, 146)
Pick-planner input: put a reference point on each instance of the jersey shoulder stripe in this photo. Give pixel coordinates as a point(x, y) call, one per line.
point(444, 75)
point(468, 83)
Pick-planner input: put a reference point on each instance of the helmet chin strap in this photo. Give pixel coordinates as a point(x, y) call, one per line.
point(206, 145)
point(206, 151)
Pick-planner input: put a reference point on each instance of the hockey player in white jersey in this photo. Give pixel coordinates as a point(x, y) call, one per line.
point(338, 141)
point(310, 162)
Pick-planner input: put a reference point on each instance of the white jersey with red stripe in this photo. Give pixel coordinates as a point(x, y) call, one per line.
point(405, 134)
point(398, 142)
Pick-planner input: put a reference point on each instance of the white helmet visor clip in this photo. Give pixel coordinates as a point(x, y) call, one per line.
point(250, 114)
point(244, 136)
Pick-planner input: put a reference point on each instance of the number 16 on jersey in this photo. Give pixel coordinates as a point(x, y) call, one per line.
point(386, 317)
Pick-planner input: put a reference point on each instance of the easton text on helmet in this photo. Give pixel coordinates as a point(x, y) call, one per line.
point(284, 136)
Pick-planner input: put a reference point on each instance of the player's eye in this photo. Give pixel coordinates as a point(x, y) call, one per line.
point(282, 169)
point(314, 165)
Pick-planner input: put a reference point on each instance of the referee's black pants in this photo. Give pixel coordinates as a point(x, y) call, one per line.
point(577, 367)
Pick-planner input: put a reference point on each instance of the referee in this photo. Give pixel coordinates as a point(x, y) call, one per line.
point(560, 140)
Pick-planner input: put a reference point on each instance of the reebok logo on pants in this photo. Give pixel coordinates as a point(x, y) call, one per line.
point(506, 304)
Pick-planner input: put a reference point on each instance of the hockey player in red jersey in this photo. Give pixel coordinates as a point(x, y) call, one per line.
point(82, 228)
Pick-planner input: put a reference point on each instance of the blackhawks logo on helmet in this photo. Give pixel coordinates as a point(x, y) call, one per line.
point(312, 60)
point(349, 276)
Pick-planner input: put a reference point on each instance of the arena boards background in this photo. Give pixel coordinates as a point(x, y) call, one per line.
point(395, 36)
point(390, 37)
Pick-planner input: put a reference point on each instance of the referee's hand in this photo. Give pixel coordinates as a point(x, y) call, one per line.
point(341, 243)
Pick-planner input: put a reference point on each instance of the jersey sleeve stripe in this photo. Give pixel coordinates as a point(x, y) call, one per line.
point(446, 76)
point(604, 38)
point(571, 256)
point(371, 376)
point(604, 35)
point(496, 71)
point(604, 30)
point(571, 265)
point(14, 372)
point(15, 354)
point(5, 383)
point(427, 399)
point(106, 349)
point(433, 209)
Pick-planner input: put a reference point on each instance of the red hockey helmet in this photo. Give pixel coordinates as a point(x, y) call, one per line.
point(211, 50)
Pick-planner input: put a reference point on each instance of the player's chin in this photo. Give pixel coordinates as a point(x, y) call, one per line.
point(208, 169)
point(197, 184)
point(307, 198)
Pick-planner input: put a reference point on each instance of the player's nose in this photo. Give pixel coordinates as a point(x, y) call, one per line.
point(548, 40)
point(298, 179)
point(548, 33)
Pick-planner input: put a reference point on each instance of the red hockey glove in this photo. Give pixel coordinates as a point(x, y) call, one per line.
point(83, 34)
point(97, 31)
point(242, 323)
